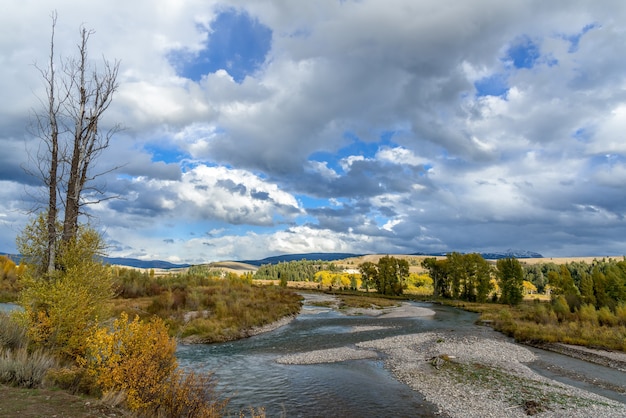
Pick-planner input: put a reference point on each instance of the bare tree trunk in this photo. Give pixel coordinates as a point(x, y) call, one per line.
point(77, 97)
point(54, 159)
point(93, 95)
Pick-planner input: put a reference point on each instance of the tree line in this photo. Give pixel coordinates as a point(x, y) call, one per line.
point(601, 283)
point(294, 271)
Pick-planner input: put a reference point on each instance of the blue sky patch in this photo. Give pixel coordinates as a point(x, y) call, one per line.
point(167, 154)
point(237, 43)
point(354, 148)
point(494, 85)
point(574, 40)
point(524, 53)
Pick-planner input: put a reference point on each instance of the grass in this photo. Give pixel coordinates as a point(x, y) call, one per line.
point(214, 310)
point(35, 403)
point(366, 301)
point(536, 322)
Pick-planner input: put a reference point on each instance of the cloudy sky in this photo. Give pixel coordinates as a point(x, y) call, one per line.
point(256, 128)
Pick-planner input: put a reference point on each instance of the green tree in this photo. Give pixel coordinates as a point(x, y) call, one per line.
point(615, 285)
point(534, 274)
point(599, 287)
point(511, 280)
point(586, 289)
point(438, 272)
point(483, 273)
point(392, 273)
point(457, 274)
point(369, 272)
point(388, 276)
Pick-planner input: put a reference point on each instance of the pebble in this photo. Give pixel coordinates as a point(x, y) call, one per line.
point(426, 363)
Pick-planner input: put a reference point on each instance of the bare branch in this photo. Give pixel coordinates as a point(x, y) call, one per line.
point(77, 97)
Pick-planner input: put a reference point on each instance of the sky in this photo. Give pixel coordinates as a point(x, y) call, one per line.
point(258, 128)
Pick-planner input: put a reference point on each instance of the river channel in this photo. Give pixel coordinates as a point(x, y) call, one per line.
point(248, 372)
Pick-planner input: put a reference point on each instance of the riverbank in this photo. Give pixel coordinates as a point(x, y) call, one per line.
point(477, 374)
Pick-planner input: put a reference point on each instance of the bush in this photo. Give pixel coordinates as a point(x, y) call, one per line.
point(21, 368)
point(12, 333)
point(606, 317)
point(620, 313)
point(134, 364)
point(73, 379)
point(190, 395)
point(542, 314)
point(60, 308)
point(561, 308)
point(133, 357)
point(587, 313)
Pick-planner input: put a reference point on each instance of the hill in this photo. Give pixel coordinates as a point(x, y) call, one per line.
point(142, 264)
point(297, 257)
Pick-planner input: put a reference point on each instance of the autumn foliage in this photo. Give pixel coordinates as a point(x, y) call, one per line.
point(136, 361)
point(132, 357)
point(61, 308)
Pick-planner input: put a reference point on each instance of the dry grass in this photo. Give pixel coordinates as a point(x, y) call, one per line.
point(36, 403)
point(565, 260)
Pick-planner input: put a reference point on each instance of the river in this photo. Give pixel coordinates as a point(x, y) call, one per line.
point(248, 373)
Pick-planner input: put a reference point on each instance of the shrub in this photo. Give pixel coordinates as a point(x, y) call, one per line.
point(73, 379)
point(21, 368)
point(12, 333)
point(132, 357)
point(587, 313)
point(561, 308)
point(190, 395)
point(620, 313)
point(60, 308)
point(542, 314)
point(606, 317)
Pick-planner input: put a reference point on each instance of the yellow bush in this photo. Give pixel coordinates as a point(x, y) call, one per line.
point(606, 317)
point(132, 357)
point(61, 308)
point(587, 313)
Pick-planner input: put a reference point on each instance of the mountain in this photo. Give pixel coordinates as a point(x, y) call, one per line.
point(159, 264)
point(143, 264)
point(495, 255)
point(511, 254)
point(121, 261)
point(297, 257)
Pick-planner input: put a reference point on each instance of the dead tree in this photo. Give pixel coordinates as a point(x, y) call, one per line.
point(77, 96)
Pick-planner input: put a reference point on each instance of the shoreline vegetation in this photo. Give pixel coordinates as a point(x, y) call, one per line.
point(207, 305)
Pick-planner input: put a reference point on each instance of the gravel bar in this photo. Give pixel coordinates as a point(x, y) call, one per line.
point(469, 376)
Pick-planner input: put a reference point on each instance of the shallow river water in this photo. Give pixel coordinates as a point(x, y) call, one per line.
point(248, 373)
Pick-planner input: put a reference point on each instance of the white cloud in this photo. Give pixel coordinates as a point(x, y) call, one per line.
point(386, 90)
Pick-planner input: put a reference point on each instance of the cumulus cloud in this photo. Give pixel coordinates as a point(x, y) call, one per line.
point(356, 126)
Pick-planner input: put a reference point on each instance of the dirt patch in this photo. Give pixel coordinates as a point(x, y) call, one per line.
point(27, 403)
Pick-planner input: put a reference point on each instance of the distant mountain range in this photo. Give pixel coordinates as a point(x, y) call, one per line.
point(159, 264)
point(142, 264)
point(496, 255)
point(340, 256)
point(297, 257)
